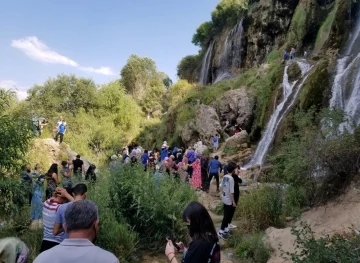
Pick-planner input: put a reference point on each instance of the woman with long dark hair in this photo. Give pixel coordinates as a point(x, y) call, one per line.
point(52, 180)
point(204, 246)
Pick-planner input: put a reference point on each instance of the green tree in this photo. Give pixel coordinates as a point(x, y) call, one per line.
point(179, 91)
point(203, 34)
point(152, 101)
point(66, 93)
point(15, 134)
point(189, 67)
point(137, 75)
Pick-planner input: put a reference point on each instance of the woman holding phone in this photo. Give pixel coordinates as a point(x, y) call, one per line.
point(204, 245)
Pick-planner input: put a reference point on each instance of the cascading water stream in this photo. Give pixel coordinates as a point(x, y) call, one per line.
point(346, 86)
point(290, 92)
point(205, 68)
point(231, 55)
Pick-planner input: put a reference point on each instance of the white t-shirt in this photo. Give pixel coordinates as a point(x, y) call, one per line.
point(227, 189)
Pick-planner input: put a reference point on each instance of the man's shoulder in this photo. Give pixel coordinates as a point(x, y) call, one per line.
point(106, 255)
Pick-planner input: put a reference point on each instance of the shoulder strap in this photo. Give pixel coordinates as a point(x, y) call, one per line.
point(212, 252)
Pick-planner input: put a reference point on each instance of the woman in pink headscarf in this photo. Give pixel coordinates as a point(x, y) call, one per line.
point(195, 181)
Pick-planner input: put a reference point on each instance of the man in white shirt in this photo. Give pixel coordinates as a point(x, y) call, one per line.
point(82, 225)
point(228, 199)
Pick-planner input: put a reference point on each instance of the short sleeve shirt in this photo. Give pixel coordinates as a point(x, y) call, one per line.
point(227, 189)
point(60, 215)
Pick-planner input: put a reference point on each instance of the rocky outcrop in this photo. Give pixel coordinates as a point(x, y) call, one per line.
point(237, 106)
point(238, 141)
point(266, 25)
point(294, 72)
point(204, 126)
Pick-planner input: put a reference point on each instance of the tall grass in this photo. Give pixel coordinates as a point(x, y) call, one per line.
point(154, 211)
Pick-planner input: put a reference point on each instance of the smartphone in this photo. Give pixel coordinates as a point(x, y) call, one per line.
point(175, 245)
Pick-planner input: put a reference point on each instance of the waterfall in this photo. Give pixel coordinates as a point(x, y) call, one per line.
point(206, 63)
point(231, 55)
point(290, 92)
point(346, 86)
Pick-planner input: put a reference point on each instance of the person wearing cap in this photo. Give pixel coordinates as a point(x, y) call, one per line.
point(82, 225)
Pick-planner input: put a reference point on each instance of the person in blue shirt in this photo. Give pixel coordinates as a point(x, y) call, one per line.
point(164, 152)
point(214, 169)
point(79, 192)
point(145, 159)
point(61, 131)
point(191, 158)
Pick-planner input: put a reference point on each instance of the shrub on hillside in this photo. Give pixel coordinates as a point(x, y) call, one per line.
point(115, 234)
point(324, 164)
point(154, 211)
point(261, 208)
point(338, 248)
point(250, 247)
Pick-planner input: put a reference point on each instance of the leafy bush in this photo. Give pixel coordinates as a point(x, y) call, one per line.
point(250, 247)
point(261, 208)
point(189, 67)
point(115, 234)
point(154, 211)
point(226, 13)
point(323, 164)
point(294, 199)
point(338, 248)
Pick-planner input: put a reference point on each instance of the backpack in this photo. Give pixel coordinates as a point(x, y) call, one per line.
point(215, 139)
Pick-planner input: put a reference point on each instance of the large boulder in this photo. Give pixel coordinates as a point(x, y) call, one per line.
point(238, 141)
point(237, 106)
point(205, 125)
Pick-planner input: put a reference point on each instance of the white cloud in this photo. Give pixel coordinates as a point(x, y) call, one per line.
point(21, 92)
point(39, 51)
point(102, 70)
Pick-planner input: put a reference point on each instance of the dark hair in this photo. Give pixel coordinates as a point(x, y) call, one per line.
point(146, 151)
point(216, 157)
point(78, 156)
point(53, 169)
point(201, 224)
point(64, 163)
point(231, 167)
point(69, 190)
point(79, 189)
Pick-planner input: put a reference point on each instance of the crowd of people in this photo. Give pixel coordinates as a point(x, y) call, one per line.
point(71, 223)
point(193, 167)
point(32, 182)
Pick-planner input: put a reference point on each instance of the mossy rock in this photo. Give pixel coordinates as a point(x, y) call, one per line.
point(294, 72)
point(312, 93)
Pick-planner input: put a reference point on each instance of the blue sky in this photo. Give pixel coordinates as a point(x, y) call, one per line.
point(42, 38)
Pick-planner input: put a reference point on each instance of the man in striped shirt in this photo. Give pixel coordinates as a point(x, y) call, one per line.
point(51, 205)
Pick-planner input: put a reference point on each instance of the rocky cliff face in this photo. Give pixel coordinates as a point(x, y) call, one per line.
point(269, 25)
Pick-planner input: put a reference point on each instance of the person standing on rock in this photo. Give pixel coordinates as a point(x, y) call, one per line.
point(216, 139)
point(61, 131)
point(214, 169)
point(228, 199)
